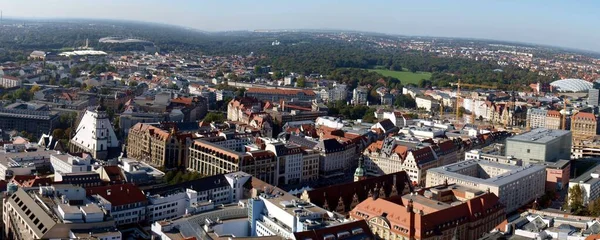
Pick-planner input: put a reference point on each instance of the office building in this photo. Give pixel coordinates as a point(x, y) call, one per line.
point(211, 159)
point(593, 97)
point(195, 196)
point(516, 186)
point(31, 118)
point(540, 145)
point(441, 212)
point(584, 126)
point(125, 202)
point(95, 135)
point(557, 175)
point(55, 212)
point(161, 145)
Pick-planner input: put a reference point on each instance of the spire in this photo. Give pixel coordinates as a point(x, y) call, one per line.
point(359, 174)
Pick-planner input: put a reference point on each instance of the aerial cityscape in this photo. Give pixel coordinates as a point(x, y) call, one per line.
point(182, 120)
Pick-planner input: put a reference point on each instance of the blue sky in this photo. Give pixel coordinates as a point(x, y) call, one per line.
point(561, 23)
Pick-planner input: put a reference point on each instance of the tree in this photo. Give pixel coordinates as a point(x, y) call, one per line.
point(214, 117)
point(74, 72)
point(395, 67)
point(461, 111)
point(239, 93)
point(34, 89)
point(52, 81)
point(58, 133)
point(301, 81)
point(594, 207)
point(132, 83)
point(575, 199)
point(257, 70)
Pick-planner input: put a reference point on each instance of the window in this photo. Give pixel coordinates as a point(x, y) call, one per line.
point(528, 150)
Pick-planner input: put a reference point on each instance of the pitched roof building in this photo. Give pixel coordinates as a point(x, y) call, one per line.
point(95, 135)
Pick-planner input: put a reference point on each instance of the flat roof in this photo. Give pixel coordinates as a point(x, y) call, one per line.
point(586, 177)
point(539, 135)
point(515, 172)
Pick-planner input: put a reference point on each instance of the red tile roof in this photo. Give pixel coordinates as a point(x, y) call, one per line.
point(120, 194)
point(584, 116)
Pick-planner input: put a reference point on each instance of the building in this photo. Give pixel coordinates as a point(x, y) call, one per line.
point(554, 120)
point(23, 163)
point(290, 158)
point(589, 182)
point(64, 163)
point(337, 93)
point(557, 175)
point(540, 145)
point(441, 212)
point(42, 214)
point(389, 156)
point(427, 103)
point(536, 117)
point(195, 196)
point(480, 155)
point(125, 202)
point(31, 118)
point(8, 82)
point(359, 96)
point(516, 186)
point(274, 212)
point(342, 198)
point(351, 230)
point(275, 95)
point(593, 97)
point(95, 135)
point(540, 224)
point(584, 125)
point(128, 119)
point(210, 159)
point(159, 145)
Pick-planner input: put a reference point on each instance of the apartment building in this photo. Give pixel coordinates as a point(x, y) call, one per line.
point(7, 81)
point(125, 202)
point(359, 95)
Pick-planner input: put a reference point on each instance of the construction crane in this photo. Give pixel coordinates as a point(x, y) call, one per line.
point(458, 85)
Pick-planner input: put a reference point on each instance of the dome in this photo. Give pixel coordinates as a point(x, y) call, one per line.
point(572, 85)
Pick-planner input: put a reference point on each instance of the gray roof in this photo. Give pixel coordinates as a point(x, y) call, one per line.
point(516, 172)
point(539, 135)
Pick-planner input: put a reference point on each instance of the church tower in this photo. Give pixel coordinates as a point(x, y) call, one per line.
point(360, 172)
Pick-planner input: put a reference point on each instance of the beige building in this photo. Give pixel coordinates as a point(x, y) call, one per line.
point(157, 146)
point(310, 165)
point(7, 81)
point(584, 125)
point(516, 186)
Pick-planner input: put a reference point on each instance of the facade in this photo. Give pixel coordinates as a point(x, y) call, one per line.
point(290, 160)
point(36, 121)
point(30, 214)
point(7, 81)
point(64, 163)
point(158, 146)
point(536, 117)
point(389, 156)
point(335, 157)
point(593, 97)
point(95, 135)
point(558, 175)
point(211, 159)
point(516, 186)
point(584, 125)
point(23, 163)
point(275, 95)
point(427, 103)
point(310, 165)
point(342, 198)
point(553, 120)
point(540, 145)
point(442, 212)
point(359, 95)
point(195, 196)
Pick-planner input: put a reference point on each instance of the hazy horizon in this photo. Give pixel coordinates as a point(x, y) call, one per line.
point(552, 23)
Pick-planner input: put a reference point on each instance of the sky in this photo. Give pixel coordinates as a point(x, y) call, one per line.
point(572, 24)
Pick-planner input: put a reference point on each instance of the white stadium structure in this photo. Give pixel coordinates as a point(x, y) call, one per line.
point(572, 85)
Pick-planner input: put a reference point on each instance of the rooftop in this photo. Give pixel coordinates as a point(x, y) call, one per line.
point(511, 172)
point(539, 135)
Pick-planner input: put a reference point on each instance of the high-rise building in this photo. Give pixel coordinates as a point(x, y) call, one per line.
point(593, 97)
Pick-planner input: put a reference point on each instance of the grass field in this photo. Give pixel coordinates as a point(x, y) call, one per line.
point(405, 77)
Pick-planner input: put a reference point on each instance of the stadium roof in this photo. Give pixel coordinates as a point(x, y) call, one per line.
point(572, 85)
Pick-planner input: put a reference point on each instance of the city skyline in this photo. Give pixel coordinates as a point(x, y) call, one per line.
point(529, 22)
